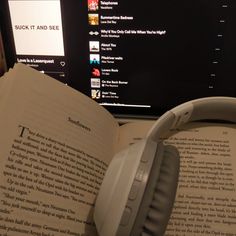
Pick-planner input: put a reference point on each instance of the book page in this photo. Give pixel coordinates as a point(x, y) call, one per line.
point(132, 132)
point(5, 86)
point(55, 146)
point(206, 195)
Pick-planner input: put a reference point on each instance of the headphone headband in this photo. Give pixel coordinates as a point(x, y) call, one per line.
point(214, 108)
point(210, 108)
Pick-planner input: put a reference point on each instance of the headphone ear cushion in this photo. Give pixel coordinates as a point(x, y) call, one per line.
point(159, 196)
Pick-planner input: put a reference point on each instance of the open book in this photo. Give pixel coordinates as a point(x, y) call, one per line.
point(56, 145)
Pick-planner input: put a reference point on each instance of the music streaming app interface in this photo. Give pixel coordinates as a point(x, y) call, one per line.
point(38, 35)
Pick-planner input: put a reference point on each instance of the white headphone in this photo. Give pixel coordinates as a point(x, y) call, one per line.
point(138, 190)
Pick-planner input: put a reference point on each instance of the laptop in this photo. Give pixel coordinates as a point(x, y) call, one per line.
point(137, 59)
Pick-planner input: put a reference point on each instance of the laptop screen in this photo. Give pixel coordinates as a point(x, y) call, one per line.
point(135, 58)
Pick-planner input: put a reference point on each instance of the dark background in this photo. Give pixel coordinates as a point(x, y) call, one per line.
point(161, 71)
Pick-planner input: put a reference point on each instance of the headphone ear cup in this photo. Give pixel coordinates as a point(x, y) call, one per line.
point(156, 206)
